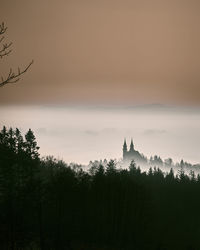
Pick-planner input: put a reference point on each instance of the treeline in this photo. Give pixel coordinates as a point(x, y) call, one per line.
point(157, 161)
point(46, 204)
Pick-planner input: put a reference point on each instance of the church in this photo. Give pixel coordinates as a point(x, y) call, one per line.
point(132, 154)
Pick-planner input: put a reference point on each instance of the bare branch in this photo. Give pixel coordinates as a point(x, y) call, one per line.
point(2, 28)
point(1, 39)
point(14, 77)
point(4, 51)
point(6, 46)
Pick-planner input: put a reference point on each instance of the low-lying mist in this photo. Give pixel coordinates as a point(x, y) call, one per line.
point(80, 134)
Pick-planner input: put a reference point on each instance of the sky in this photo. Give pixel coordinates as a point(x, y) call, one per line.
point(102, 70)
point(108, 51)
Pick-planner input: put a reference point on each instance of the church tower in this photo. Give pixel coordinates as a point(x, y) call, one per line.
point(132, 154)
point(124, 149)
point(131, 146)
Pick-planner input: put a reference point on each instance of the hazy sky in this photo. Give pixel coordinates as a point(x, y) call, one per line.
point(101, 51)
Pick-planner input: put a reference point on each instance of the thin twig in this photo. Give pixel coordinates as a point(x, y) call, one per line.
point(2, 28)
point(4, 51)
point(14, 77)
point(1, 39)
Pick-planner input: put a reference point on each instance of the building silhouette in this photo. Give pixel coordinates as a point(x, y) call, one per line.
point(132, 154)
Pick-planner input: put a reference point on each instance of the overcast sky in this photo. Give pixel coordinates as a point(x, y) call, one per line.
point(107, 51)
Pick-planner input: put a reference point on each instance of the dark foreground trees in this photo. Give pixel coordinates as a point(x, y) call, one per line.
point(45, 204)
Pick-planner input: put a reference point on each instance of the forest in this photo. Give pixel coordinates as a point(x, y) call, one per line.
point(47, 204)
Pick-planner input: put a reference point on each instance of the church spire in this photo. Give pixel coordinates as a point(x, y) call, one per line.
point(125, 145)
point(124, 149)
point(131, 146)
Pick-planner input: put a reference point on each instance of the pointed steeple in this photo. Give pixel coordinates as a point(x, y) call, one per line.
point(124, 150)
point(131, 146)
point(125, 145)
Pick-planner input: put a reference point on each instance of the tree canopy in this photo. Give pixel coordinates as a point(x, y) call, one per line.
point(48, 204)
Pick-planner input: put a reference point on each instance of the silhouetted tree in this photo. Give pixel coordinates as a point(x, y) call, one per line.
point(5, 50)
point(47, 204)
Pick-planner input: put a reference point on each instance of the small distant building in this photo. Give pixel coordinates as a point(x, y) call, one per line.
point(132, 154)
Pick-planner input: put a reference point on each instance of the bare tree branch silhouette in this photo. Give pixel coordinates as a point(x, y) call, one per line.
point(5, 50)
